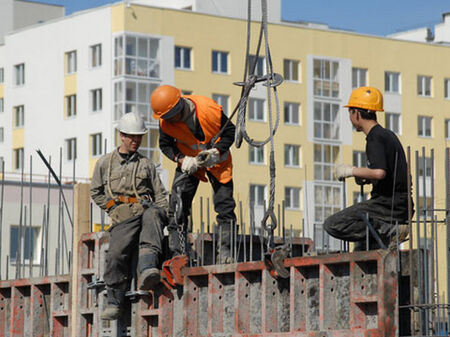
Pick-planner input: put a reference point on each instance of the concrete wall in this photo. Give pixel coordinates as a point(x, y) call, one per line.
point(29, 13)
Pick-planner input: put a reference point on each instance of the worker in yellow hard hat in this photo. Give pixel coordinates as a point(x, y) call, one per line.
point(386, 170)
point(188, 127)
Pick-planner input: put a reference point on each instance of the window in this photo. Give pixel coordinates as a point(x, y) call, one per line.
point(140, 57)
point(2, 75)
point(256, 154)
point(183, 58)
point(2, 131)
point(392, 82)
point(292, 198)
point(326, 78)
point(259, 66)
point(325, 157)
point(130, 94)
point(219, 62)
point(28, 243)
point(292, 113)
point(393, 122)
point(292, 155)
point(359, 159)
point(428, 167)
point(326, 120)
point(19, 118)
point(71, 149)
point(71, 62)
point(447, 128)
point(359, 77)
point(447, 88)
point(424, 126)
point(424, 86)
point(327, 201)
point(96, 144)
point(19, 73)
point(2, 105)
point(71, 105)
point(96, 100)
point(257, 195)
point(358, 198)
point(96, 55)
point(18, 158)
point(256, 109)
point(290, 70)
point(223, 101)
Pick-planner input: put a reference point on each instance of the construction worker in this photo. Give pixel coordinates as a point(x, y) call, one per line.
point(386, 170)
point(127, 186)
point(188, 125)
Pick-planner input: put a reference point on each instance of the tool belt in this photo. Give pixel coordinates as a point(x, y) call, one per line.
point(122, 199)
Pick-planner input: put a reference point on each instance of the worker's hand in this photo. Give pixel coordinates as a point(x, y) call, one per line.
point(343, 171)
point(189, 165)
point(208, 158)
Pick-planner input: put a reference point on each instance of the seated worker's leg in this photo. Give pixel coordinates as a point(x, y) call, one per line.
point(224, 206)
point(150, 246)
point(188, 187)
point(347, 224)
point(122, 240)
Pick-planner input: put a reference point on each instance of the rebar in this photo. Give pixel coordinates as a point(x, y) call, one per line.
point(2, 193)
point(31, 233)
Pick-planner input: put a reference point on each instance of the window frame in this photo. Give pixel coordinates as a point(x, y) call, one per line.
point(422, 127)
point(19, 74)
point(290, 112)
point(71, 148)
point(388, 121)
point(95, 56)
point(291, 70)
point(293, 191)
point(96, 144)
point(447, 88)
point(71, 62)
point(447, 128)
point(328, 76)
point(360, 75)
point(423, 81)
point(183, 51)
point(71, 106)
point(19, 116)
point(292, 150)
point(24, 241)
point(260, 65)
point(96, 100)
point(328, 123)
point(2, 104)
point(217, 59)
point(253, 109)
point(390, 76)
point(2, 75)
point(223, 101)
point(254, 155)
point(256, 189)
point(19, 158)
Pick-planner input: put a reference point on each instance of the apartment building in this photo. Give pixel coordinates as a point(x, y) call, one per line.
point(65, 83)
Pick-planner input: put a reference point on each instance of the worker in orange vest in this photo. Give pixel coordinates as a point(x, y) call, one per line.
point(187, 127)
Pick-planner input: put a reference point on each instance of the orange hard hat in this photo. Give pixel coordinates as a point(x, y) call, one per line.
point(166, 102)
point(369, 98)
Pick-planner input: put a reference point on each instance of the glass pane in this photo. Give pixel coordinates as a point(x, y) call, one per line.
point(142, 47)
point(118, 50)
point(317, 111)
point(130, 66)
point(154, 48)
point(143, 93)
point(177, 57)
point(187, 58)
point(316, 70)
point(130, 91)
point(214, 61)
point(131, 45)
point(224, 63)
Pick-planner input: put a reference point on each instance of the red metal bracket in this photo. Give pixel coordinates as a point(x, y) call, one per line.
point(274, 261)
point(172, 270)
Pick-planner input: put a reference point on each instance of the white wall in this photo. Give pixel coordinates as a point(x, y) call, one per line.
point(6, 18)
point(29, 13)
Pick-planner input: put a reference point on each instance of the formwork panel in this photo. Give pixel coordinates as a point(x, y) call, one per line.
point(196, 305)
point(5, 311)
point(277, 304)
point(222, 303)
point(40, 309)
point(20, 325)
point(248, 299)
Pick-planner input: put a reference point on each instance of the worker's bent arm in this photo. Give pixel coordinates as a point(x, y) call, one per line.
point(97, 188)
point(368, 173)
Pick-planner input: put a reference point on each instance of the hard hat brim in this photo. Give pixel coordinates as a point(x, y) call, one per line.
point(175, 110)
point(136, 133)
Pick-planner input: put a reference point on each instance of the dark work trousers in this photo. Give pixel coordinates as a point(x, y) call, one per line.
point(144, 231)
point(223, 200)
point(347, 224)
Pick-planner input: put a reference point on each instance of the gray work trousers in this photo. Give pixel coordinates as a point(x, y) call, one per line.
point(143, 232)
point(383, 214)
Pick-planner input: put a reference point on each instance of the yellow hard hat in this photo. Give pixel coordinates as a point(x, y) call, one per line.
point(369, 98)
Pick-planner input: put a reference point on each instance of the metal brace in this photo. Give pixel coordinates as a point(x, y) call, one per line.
point(274, 261)
point(95, 284)
point(173, 268)
point(275, 80)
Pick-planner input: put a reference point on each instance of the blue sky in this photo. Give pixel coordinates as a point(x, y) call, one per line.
point(377, 17)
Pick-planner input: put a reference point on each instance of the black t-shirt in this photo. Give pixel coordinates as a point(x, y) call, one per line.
point(381, 149)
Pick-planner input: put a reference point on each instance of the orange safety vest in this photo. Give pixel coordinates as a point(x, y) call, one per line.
point(209, 115)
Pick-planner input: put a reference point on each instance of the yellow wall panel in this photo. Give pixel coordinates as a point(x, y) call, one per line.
point(70, 84)
point(18, 138)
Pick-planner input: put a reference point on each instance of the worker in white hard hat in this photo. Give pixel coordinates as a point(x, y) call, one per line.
point(387, 172)
point(127, 186)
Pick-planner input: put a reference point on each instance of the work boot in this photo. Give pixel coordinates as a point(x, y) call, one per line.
point(113, 309)
point(149, 275)
point(149, 278)
point(403, 235)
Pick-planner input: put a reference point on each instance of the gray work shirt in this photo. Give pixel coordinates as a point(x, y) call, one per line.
point(147, 179)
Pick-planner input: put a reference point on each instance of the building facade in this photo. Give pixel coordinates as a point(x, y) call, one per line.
point(99, 64)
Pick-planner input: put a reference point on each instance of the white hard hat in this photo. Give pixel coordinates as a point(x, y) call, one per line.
point(132, 124)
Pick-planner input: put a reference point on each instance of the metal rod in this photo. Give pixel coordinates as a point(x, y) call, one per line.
point(419, 264)
point(47, 224)
point(214, 245)
point(58, 257)
point(41, 264)
point(432, 227)
point(7, 267)
point(411, 241)
point(252, 226)
point(24, 235)
point(303, 237)
point(31, 234)
point(220, 244)
point(202, 242)
point(2, 193)
point(245, 241)
point(425, 240)
point(19, 236)
point(447, 242)
point(291, 240)
point(279, 218)
point(208, 216)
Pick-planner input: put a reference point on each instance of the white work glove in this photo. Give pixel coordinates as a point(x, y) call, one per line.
point(208, 158)
point(189, 165)
point(343, 171)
